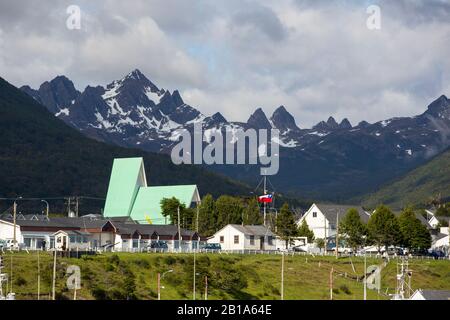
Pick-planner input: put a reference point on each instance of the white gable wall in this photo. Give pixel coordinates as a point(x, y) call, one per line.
point(7, 231)
point(417, 296)
point(433, 222)
point(228, 232)
point(317, 223)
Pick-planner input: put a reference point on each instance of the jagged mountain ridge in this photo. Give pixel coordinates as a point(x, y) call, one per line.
point(134, 112)
point(331, 160)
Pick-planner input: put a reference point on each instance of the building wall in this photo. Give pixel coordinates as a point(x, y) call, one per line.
point(417, 296)
point(228, 233)
point(7, 231)
point(319, 224)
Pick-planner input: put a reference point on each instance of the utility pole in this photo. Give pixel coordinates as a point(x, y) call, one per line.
point(48, 207)
point(365, 274)
point(265, 204)
point(39, 277)
point(196, 224)
point(179, 230)
point(337, 235)
point(331, 283)
point(282, 276)
point(54, 277)
point(69, 207)
point(14, 219)
point(159, 286)
point(194, 277)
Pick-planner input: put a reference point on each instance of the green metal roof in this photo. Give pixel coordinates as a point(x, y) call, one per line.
point(127, 176)
point(147, 205)
point(128, 194)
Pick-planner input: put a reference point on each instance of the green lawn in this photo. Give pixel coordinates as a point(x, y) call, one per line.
point(134, 276)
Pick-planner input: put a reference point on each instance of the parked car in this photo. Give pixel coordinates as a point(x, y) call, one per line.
point(212, 247)
point(299, 249)
point(436, 254)
point(9, 243)
point(159, 245)
point(395, 251)
point(419, 252)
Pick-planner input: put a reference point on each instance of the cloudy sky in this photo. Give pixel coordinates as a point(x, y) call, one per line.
point(317, 58)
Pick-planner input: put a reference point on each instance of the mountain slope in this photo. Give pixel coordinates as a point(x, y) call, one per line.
point(43, 157)
point(416, 187)
point(332, 161)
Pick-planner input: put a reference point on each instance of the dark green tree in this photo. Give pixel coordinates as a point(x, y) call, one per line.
point(443, 210)
point(353, 229)
point(229, 211)
point(169, 209)
point(383, 227)
point(320, 243)
point(252, 214)
point(305, 231)
point(414, 234)
point(286, 226)
point(207, 216)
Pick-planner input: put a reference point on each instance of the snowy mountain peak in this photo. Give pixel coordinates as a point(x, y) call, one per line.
point(345, 124)
point(332, 123)
point(258, 120)
point(440, 108)
point(283, 120)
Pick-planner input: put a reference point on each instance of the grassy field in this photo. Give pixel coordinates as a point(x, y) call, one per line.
point(134, 276)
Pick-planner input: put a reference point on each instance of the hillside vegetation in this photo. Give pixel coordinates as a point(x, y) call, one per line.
point(134, 276)
point(41, 156)
point(416, 187)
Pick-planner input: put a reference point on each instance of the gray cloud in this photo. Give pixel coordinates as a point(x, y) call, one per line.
point(315, 57)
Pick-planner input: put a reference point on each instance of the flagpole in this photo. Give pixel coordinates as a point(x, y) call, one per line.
point(265, 192)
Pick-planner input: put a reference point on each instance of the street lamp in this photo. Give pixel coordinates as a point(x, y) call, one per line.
point(160, 277)
point(48, 207)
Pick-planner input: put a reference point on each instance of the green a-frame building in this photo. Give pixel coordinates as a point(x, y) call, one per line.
point(129, 196)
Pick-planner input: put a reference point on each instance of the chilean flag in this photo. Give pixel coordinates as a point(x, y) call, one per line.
point(267, 198)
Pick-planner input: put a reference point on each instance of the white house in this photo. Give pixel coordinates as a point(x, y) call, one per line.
point(431, 217)
point(430, 295)
point(7, 231)
point(72, 240)
point(244, 237)
point(441, 240)
point(322, 218)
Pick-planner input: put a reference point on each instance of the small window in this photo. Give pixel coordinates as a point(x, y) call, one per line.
point(236, 239)
point(270, 240)
point(252, 240)
point(314, 214)
point(222, 239)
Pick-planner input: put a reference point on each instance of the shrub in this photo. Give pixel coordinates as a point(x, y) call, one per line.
point(114, 259)
point(169, 260)
point(20, 281)
point(345, 289)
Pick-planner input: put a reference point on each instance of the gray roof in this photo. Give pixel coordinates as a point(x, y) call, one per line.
point(439, 236)
point(124, 219)
point(59, 222)
point(420, 217)
point(331, 211)
point(255, 230)
point(149, 229)
point(435, 294)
